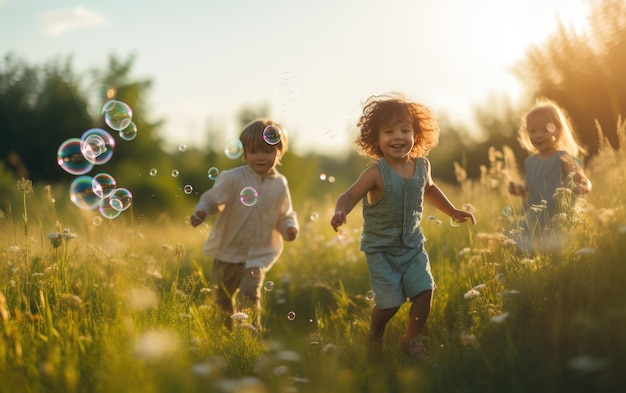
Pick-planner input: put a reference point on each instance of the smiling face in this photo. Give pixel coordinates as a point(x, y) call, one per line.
point(262, 158)
point(396, 139)
point(543, 131)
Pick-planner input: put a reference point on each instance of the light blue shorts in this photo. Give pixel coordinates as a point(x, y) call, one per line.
point(398, 277)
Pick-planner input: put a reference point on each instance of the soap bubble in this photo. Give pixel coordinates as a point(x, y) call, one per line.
point(106, 210)
point(121, 199)
point(106, 152)
point(71, 159)
point(271, 134)
point(92, 147)
point(507, 211)
point(129, 133)
point(153, 172)
point(175, 173)
point(233, 149)
point(117, 114)
point(213, 173)
point(291, 315)
point(248, 196)
point(182, 147)
point(82, 193)
point(269, 286)
point(454, 223)
point(188, 189)
point(103, 185)
point(370, 295)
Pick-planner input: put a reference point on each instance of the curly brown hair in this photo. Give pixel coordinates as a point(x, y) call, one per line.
point(384, 109)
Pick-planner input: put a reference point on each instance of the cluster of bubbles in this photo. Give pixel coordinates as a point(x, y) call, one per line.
point(78, 156)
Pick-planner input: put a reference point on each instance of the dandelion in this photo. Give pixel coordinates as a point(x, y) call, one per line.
point(67, 234)
point(25, 185)
point(499, 318)
point(471, 294)
point(464, 252)
point(180, 250)
point(468, 340)
point(239, 316)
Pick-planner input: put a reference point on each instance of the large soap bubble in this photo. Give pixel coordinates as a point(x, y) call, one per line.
point(71, 159)
point(117, 114)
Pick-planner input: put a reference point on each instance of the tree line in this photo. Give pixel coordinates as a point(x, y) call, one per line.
point(42, 105)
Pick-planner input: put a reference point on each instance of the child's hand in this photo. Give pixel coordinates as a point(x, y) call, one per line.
point(462, 216)
point(291, 234)
point(339, 218)
point(197, 218)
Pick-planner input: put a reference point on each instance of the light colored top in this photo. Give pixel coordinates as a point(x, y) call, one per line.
point(250, 234)
point(392, 223)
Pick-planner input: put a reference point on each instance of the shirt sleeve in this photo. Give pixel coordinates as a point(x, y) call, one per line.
point(287, 216)
point(215, 197)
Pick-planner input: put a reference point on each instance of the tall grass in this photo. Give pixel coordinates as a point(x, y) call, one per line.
point(125, 306)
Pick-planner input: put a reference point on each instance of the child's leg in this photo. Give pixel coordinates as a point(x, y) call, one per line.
point(418, 313)
point(225, 281)
point(378, 323)
point(250, 294)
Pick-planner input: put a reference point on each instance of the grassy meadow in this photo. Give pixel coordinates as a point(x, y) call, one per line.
point(123, 305)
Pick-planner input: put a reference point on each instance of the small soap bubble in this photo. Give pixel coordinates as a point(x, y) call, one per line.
point(129, 133)
point(233, 149)
point(182, 147)
point(271, 134)
point(285, 75)
point(331, 179)
point(213, 173)
point(71, 159)
point(269, 286)
point(255, 271)
point(188, 189)
point(291, 315)
point(454, 223)
point(121, 199)
point(175, 173)
point(330, 133)
point(248, 196)
point(153, 172)
point(92, 147)
point(103, 185)
point(315, 216)
point(106, 210)
point(97, 221)
point(370, 295)
point(117, 114)
point(507, 211)
point(323, 176)
point(82, 194)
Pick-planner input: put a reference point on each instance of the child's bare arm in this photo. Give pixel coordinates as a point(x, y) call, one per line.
point(346, 201)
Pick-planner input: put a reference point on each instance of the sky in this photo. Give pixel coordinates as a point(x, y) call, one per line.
point(312, 62)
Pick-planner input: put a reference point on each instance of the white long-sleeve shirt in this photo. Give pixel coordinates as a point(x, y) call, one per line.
point(251, 234)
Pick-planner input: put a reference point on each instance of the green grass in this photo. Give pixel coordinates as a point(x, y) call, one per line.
point(122, 307)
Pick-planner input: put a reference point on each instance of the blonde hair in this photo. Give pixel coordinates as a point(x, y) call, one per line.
point(565, 136)
point(379, 110)
point(252, 136)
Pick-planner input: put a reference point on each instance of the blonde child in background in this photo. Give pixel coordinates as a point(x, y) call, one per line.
point(551, 172)
point(247, 238)
point(398, 134)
